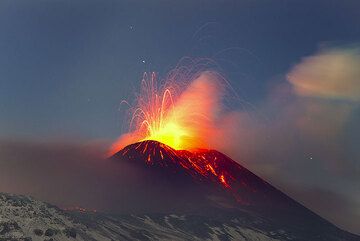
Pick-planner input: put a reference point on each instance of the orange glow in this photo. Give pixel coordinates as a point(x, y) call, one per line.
point(209, 167)
point(182, 118)
point(223, 181)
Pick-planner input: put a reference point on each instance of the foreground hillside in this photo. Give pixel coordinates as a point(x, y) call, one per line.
point(24, 218)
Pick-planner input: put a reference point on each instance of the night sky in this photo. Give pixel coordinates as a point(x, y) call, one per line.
point(65, 66)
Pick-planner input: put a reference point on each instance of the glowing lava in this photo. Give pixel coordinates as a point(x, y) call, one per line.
point(183, 120)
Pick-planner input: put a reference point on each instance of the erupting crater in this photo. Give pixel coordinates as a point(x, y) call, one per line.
point(183, 118)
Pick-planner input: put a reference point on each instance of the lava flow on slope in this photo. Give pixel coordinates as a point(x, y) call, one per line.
point(203, 167)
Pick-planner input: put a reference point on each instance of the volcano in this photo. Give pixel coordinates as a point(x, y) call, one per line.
point(212, 185)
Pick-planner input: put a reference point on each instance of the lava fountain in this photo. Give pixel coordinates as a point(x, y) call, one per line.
point(182, 117)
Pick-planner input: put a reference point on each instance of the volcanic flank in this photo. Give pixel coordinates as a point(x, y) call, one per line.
point(210, 184)
point(202, 167)
point(208, 173)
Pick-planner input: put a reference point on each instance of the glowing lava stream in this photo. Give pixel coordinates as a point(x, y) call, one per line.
point(183, 120)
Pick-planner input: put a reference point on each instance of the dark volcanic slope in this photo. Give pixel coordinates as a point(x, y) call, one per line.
point(203, 168)
point(208, 183)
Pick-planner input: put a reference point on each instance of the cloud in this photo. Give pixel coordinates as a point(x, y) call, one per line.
point(66, 174)
point(330, 74)
point(58, 172)
point(337, 208)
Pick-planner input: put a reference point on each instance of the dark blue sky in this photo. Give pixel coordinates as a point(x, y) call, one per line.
point(66, 65)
